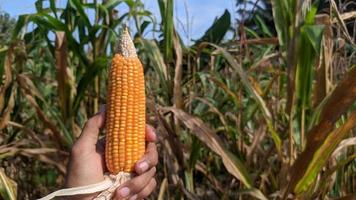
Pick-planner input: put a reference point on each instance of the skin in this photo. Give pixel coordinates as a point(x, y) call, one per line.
point(88, 150)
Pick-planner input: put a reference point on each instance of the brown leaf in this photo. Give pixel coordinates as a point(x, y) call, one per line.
point(16, 148)
point(43, 158)
point(259, 41)
point(177, 82)
point(177, 90)
point(8, 77)
point(209, 138)
point(4, 87)
point(341, 22)
point(29, 91)
point(336, 105)
point(340, 100)
point(322, 85)
point(255, 85)
point(64, 75)
point(32, 134)
point(5, 118)
point(172, 138)
point(322, 155)
point(12, 150)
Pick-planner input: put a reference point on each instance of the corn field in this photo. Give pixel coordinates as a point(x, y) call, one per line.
point(268, 113)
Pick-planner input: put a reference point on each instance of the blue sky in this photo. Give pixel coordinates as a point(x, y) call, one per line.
point(201, 13)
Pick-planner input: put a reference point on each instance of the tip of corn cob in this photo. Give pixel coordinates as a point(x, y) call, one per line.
point(125, 45)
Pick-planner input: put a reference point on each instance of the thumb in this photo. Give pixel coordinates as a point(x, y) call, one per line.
point(90, 134)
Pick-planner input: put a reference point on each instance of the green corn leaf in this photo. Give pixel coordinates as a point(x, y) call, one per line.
point(158, 64)
point(262, 25)
point(166, 9)
point(314, 34)
point(218, 30)
point(21, 22)
point(80, 8)
point(99, 64)
point(109, 5)
point(282, 21)
point(52, 5)
point(250, 89)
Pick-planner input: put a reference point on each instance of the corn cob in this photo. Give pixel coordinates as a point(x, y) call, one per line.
point(125, 114)
point(125, 122)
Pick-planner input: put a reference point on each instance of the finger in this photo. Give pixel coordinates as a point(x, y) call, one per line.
point(147, 190)
point(135, 185)
point(150, 134)
point(149, 160)
point(89, 136)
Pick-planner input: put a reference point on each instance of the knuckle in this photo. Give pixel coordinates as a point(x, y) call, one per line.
point(154, 183)
point(151, 146)
point(155, 158)
point(148, 190)
point(135, 186)
point(154, 170)
point(153, 155)
point(90, 123)
point(76, 149)
point(144, 193)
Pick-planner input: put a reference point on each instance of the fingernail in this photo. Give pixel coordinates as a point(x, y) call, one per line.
point(124, 192)
point(143, 166)
point(134, 197)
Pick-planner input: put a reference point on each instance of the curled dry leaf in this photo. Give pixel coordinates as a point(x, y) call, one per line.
point(5, 118)
point(46, 159)
point(65, 78)
point(233, 165)
point(343, 144)
point(8, 77)
point(177, 89)
point(173, 154)
point(340, 19)
point(29, 91)
point(30, 132)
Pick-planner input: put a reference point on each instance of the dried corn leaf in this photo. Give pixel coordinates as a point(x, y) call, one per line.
point(5, 118)
point(343, 96)
point(233, 165)
point(8, 188)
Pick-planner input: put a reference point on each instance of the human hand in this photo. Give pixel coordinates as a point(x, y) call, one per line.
point(87, 163)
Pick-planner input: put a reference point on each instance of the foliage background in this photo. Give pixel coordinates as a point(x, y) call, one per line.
point(266, 114)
